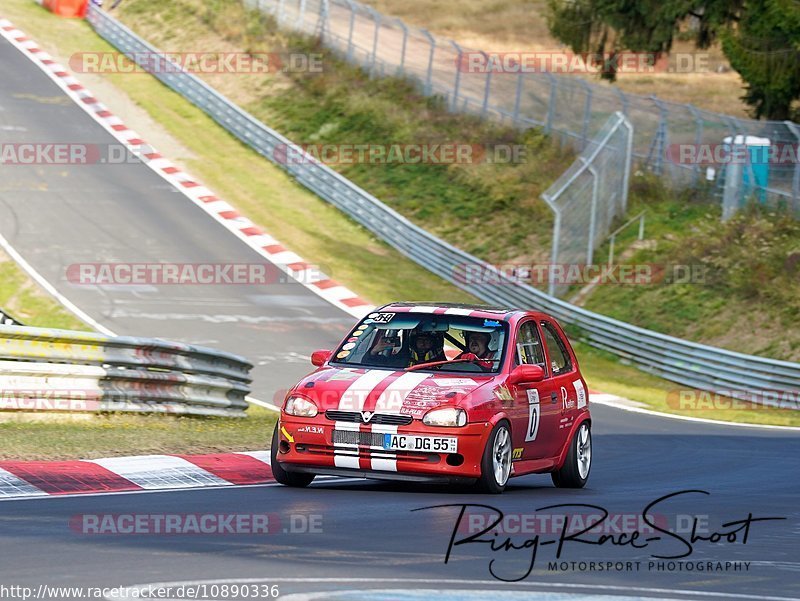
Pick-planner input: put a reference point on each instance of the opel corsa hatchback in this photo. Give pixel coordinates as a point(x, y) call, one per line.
point(440, 392)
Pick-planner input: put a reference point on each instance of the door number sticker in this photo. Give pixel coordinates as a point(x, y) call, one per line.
point(533, 415)
point(581, 391)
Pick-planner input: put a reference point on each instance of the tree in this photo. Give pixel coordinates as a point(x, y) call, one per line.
point(760, 38)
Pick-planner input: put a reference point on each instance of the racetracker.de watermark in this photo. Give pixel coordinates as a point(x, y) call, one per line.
point(570, 274)
point(561, 62)
point(203, 63)
point(766, 153)
point(185, 524)
point(446, 153)
point(71, 153)
point(757, 400)
point(206, 274)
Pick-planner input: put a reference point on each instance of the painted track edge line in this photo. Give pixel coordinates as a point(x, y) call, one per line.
point(50, 289)
point(229, 218)
point(687, 418)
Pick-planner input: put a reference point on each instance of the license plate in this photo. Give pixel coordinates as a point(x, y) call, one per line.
point(428, 444)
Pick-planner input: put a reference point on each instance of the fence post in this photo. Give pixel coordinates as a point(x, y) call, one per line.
point(376, 17)
point(488, 87)
point(322, 24)
point(623, 98)
point(350, 33)
point(405, 43)
point(429, 75)
point(658, 143)
point(518, 97)
point(587, 114)
point(593, 215)
point(551, 281)
point(457, 82)
point(280, 11)
point(626, 177)
point(551, 106)
point(698, 139)
point(795, 129)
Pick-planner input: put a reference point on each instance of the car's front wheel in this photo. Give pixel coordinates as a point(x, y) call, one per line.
point(281, 475)
point(575, 471)
point(496, 461)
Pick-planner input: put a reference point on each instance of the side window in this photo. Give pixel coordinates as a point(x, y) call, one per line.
point(529, 347)
point(559, 357)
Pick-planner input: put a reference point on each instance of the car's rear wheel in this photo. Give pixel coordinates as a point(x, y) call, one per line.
point(575, 471)
point(496, 461)
point(281, 475)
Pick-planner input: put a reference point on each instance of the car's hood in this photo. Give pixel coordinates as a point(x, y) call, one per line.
point(385, 391)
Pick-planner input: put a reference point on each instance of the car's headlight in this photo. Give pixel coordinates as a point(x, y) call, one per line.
point(449, 416)
point(300, 407)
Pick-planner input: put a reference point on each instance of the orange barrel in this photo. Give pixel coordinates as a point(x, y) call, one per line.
point(67, 8)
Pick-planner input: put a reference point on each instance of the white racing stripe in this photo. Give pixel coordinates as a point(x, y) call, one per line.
point(355, 396)
point(353, 399)
point(391, 401)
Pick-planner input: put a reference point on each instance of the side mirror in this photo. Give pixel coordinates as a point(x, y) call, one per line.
point(526, 374)
point(319, 358)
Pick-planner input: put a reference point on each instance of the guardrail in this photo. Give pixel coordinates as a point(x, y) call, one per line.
point(7, 320)
point(57, 370)
point(681, 361)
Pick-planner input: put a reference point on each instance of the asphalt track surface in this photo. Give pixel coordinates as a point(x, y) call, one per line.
point(366, 536)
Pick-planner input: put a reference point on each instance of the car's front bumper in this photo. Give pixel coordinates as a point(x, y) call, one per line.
point(307, 445)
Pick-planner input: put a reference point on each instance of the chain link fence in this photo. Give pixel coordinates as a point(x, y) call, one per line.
point(563, 105)
point(682, 361)
point(588, 196)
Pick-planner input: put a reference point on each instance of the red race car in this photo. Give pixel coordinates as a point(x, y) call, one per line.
point(440, 392)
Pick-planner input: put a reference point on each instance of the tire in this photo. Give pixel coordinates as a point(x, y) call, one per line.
point(575, 471)
point(281, 475)
point(496, 460)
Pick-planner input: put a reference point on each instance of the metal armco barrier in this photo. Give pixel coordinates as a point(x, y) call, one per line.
point(58, 370)
point(7, 320)
point(687, 363)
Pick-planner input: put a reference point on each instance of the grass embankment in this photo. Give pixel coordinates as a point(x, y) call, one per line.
point(314, 229)
point(94, 436)
point(28, 303)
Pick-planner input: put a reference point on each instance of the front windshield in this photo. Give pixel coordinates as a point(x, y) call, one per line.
point(403, 340)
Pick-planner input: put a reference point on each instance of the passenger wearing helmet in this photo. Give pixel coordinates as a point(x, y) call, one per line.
point(425, 347)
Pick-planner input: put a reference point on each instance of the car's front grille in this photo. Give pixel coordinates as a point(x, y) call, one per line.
point(364, 439)
point(383, 419)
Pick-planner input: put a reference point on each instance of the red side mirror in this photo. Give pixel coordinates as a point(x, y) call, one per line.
point(526, 374)
point(319, 358)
